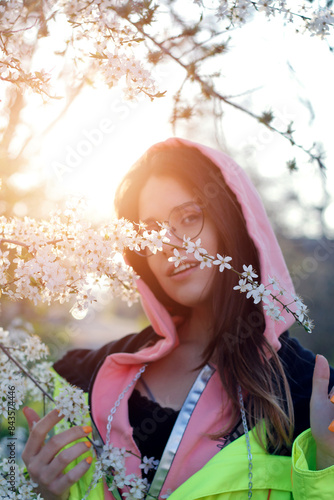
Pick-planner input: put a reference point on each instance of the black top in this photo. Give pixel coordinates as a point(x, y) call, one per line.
point(152, 426)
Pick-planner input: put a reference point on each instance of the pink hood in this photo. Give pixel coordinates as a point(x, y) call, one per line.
point(119, 369)
point(271, 259)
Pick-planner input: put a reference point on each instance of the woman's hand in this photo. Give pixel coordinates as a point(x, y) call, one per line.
point(322, 414)
point(44, 462)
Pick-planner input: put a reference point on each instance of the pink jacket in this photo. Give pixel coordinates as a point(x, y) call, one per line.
point(196, 448)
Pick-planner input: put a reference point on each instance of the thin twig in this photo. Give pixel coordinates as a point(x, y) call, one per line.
point(209, 90)
point(22, 368)
point(45, 394)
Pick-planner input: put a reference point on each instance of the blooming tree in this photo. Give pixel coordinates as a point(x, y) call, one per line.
point(65, 256)
point(119, 42)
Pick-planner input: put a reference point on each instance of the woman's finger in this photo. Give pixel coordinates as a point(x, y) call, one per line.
point(48, 472)
point(321, 409)
point(59, 441)
point(320, 381)
point(64, 481)
point(38, 431)
point(31, 416)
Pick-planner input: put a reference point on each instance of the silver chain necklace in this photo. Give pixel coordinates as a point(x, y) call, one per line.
point(243, 417)
point(119, 399)
point(249, 451)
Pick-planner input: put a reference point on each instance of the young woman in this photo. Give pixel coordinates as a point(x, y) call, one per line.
point(214, 389)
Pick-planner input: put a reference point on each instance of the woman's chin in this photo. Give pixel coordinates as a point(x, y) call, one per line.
point(191, 298)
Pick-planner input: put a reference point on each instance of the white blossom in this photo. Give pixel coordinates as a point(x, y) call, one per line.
point(154, 240)
point(148, 464)
point(301, 308)
point(308, 324)
point(71, 404)
point(321, 23)
point(193, 247)
point(59, 271)
point(113, 457)
point(121, 479)
point(274, 282)
point(137, 489)
point(249, 272)
point(259, 293)
point(204, 259)
point(243, 286)
point(34, 349)
point(177, 259)
point(273, 312)
point(15, 386)
point(24, 487)
point(222, 262)
point(267, 6)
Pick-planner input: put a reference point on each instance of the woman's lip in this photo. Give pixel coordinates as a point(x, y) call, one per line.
point(184, 274)
point(171, 267)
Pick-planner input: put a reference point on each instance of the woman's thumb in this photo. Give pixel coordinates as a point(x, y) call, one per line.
point(321, 375)
point(31, 416)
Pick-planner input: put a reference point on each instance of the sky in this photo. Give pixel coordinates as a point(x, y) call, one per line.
point(101, 135)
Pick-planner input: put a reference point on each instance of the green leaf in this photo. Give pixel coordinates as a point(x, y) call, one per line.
point(109, 480)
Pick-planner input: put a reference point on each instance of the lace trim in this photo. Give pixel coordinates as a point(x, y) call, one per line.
point(138, 400)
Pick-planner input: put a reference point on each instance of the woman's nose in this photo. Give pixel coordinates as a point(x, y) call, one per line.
point(173, 242)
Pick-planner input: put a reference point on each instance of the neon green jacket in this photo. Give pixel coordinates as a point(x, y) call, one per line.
point(225, 476)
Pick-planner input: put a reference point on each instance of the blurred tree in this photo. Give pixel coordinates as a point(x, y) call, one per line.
point(54, 47)
point(311, 265)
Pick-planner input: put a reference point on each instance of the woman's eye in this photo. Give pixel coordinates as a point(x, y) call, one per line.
point(190, 219)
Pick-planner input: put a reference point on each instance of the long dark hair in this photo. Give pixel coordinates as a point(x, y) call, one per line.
point(242, 354)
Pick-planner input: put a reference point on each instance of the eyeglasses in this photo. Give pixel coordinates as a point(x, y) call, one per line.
point(185, 220)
